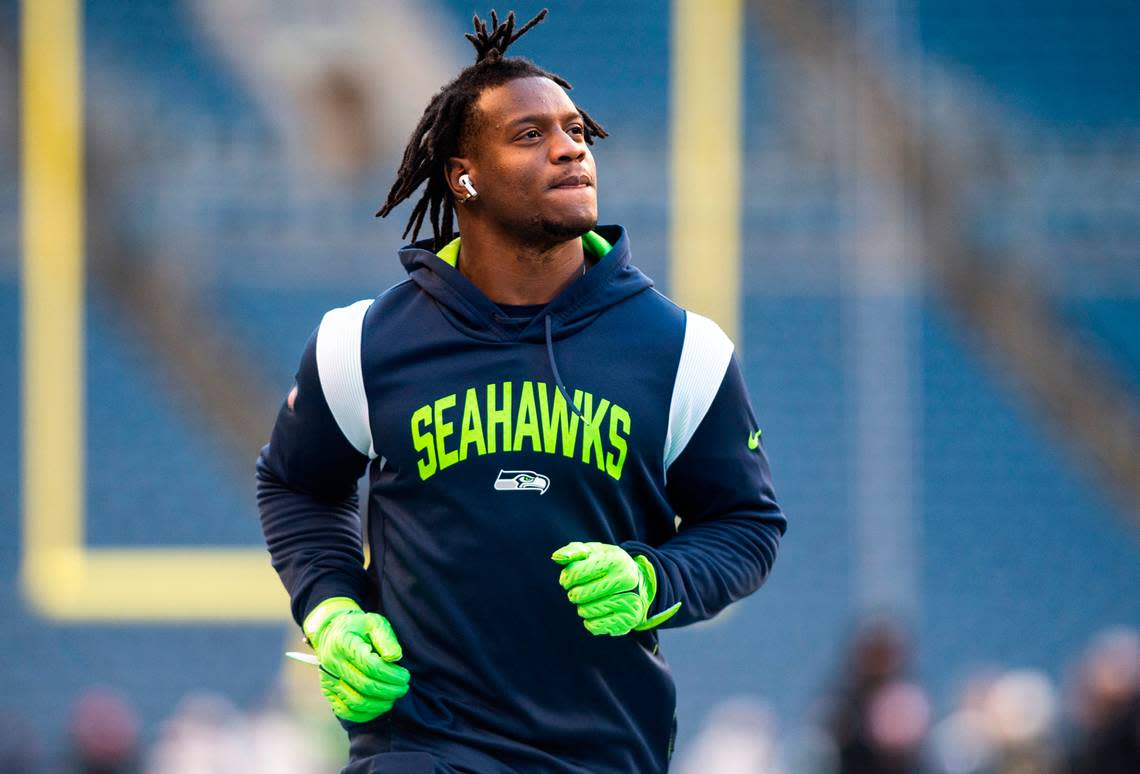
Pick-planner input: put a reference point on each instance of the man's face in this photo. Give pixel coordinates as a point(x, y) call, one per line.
point(528, 158)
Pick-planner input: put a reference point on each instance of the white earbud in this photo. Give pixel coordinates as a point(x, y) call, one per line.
point(465, 181)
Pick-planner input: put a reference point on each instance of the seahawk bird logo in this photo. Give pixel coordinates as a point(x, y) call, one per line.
point(518, 480)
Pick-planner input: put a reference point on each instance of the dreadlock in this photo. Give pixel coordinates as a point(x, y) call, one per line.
point(443, 126)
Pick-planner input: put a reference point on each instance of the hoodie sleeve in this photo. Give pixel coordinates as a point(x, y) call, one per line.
point(306, 495)
point(730, 524)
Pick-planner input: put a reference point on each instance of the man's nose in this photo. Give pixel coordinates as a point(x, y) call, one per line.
point(567, 148)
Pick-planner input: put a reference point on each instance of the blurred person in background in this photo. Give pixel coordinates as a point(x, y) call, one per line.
point(104, 734)
point(739, 737)
point(205, 733)
point(1005, 723)
point(961, 743)
point(1019, 713)
point(516, 658)
point(877, 719)
point(1106, 706)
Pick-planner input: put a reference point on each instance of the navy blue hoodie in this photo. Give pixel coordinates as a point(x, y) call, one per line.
point(490, 440)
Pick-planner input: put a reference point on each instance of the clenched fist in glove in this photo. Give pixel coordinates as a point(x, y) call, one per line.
point(356, 650)
point(613, 590)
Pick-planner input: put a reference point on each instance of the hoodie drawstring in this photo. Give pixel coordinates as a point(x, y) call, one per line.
point(557, 378)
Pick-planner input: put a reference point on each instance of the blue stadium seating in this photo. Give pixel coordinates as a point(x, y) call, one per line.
point(1110, 327)
point(158, 40)
point(1068, 62)
point(1017, 536)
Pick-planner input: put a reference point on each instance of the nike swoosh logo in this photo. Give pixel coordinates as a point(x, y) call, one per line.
point(754, 440)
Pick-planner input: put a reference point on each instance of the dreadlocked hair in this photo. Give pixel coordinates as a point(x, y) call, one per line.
point(442, 127)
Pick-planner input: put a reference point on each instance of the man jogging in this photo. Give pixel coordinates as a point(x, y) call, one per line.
point(561, 461)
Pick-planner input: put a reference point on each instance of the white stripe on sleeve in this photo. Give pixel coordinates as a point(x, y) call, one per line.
point(342, 379)
point(705, 355)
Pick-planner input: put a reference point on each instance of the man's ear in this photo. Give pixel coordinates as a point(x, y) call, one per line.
point(457, 166)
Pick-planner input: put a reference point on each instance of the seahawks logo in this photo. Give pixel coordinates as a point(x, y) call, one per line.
point(520, 480)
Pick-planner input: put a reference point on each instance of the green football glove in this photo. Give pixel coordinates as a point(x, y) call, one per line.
point(355, 650)
point(613, 590)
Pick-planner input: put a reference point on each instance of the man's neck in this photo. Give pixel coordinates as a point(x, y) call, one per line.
point(509, 272)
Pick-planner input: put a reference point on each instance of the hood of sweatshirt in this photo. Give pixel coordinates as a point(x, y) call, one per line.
point(611, 280)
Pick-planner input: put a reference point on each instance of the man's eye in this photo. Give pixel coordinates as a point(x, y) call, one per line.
point(576, 129)
point(530, 134)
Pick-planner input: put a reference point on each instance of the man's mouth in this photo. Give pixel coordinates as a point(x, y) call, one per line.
point(573, 181)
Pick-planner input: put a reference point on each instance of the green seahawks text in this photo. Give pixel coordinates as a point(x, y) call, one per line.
point(519, 416)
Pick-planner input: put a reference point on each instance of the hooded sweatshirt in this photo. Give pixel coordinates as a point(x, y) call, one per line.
point(491, 439)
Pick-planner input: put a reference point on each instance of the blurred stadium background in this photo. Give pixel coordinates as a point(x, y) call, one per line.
point(919, 218)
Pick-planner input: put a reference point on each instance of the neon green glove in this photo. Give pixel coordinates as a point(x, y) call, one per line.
point(356, 650)
point(613, 590)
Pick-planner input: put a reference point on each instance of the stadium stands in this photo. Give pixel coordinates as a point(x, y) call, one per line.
point(1023, 554)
